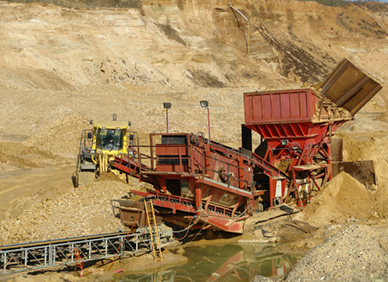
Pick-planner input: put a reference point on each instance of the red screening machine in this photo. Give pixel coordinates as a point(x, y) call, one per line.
point(202, 184)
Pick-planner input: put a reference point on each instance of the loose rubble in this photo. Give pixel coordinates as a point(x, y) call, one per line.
point(82, 211)
point(352, 254)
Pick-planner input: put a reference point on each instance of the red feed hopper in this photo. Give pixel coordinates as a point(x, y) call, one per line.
point(288, 116)
point(302, 117)
point(297, 124)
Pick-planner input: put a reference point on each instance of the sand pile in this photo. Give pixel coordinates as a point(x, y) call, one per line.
point(380, 202)
point(81, 211)
point(341, 200)
point(352, 254)
point(62, 136)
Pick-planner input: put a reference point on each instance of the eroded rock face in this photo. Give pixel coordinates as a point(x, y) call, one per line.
point(180, 43)
point(352, 254)
point(78, 53)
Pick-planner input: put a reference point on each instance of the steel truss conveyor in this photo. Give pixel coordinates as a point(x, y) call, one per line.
point(58, 253)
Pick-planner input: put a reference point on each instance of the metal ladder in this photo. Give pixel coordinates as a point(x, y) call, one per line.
point(153, 229)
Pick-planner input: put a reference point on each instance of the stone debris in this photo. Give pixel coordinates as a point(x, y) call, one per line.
point(82, 211)
point(352, 254)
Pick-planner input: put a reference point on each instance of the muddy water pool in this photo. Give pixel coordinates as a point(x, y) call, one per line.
point(222, 262)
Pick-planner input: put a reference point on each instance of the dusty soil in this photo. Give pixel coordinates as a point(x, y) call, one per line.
point(61, 66)
point(105, 272)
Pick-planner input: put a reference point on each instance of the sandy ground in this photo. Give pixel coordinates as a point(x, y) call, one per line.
point(106, 271)
point(61, 66)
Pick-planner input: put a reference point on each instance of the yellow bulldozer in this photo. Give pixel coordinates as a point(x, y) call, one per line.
point(99, 146)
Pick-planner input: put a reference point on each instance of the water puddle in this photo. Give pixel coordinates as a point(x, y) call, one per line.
point(231, 262)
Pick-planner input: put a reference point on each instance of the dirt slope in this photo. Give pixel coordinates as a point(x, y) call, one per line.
point(64, 60)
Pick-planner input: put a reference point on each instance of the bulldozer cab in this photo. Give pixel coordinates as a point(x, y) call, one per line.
point(111, 138)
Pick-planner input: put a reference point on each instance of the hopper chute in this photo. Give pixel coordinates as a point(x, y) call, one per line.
point(348, 87)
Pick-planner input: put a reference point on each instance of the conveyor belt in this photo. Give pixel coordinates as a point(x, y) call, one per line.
point(55, 241)
point(53, 254)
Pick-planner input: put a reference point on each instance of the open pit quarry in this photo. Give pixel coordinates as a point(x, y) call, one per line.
point(65, 62)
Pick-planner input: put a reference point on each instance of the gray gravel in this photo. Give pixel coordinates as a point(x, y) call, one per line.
point(260, 278)
point(352, 254)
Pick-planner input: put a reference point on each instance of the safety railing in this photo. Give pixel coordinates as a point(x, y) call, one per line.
point(227, 176)
point(202, 161)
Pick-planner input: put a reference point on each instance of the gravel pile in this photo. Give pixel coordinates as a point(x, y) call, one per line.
point(61, 136)
point(82, 211)
point(351, 254)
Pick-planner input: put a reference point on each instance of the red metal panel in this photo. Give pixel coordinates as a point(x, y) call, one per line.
point(171, 167)
point(165, 150)
point(256, 113)
point(276, 104)
point(280, 106)
point(224, 224)
point(304, 133)
point(266, 105)
point(294, 104)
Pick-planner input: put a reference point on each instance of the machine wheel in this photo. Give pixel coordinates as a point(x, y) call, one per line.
point(85, 177)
